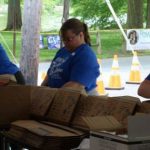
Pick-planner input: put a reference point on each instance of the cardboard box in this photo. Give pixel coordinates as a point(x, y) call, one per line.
point(44, 135)
point(41, 99)
point(19, 102)
point(14, 103)
point(144, 107)
point(91, 106)
point(88, 106)
point(138, 137)
point(99, 123)
point(63, 105)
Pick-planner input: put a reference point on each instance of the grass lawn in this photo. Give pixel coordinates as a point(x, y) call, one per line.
point(111, 43)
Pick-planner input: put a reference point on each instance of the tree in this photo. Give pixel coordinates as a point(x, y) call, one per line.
point(14, 15)
point(135, 14)
point(30, 41)
point(148, 14)
point(96, 12)
point(66, 10)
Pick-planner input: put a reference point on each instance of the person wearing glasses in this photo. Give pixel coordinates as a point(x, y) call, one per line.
point(74, 65)
point(144, 88)
point(8, 68)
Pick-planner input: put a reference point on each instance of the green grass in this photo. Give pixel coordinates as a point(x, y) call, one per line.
point(8, 39)
point(111, 42)
point(47, 55)
point(3, 19)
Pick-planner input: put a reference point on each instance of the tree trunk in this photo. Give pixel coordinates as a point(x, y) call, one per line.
point(14, 15)
point(66, 10)
point(65, 14)
point(148, 14)
point(30, 41)
point(135, 14)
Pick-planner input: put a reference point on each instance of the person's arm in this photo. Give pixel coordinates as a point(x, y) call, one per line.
point(45, 81)
point(144, 89)
point(20, 78)
point(75, 85)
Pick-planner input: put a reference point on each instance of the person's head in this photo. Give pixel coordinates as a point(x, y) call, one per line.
point(133, 37)
point(134, 33)
point(74, 33)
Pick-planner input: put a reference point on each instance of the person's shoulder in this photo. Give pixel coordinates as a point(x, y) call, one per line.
point(85, 48)
point(88, 50)
point(61, 50)
point(148, 77)
point(86, 53)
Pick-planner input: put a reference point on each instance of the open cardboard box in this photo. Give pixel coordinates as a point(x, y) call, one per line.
point(99, 123)
point(138, 137)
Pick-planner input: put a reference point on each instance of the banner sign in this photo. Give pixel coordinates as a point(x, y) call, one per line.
point(53, 42)
point(139, 39)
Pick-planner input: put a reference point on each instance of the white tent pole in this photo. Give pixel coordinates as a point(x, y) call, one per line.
point(118, 23)
point(15, 60)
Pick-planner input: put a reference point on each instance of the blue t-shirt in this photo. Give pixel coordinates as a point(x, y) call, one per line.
point(6, 66)
point(148, 77)
point(80, 66)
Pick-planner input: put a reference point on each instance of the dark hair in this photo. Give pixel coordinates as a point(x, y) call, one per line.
point(133, 40)
point(76, 26)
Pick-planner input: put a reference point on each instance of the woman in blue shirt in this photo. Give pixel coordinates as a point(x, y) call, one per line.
point(75, 65)
point(7, 67)
point(144, 88)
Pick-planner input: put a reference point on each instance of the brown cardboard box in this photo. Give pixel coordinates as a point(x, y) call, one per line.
point(92, 106)
point(105, 123)
point(88, 106)
point(14, 103)
point(60, 105)
point(19, 102)
point(41, 99)
point(44, 135)
point(63, 106)
point(144, 107)
point(122, 106)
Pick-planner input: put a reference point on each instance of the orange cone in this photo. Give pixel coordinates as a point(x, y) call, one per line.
point(43, 75)
point(135, 74)
point(115, 82)
point(100, 84)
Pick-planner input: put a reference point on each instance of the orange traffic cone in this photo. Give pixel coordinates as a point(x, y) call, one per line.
point(115, 82)
point(43, 75)
point(100, 84)
point(135, 74)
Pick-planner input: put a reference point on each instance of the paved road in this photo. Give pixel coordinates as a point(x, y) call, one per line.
point(125, 66)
